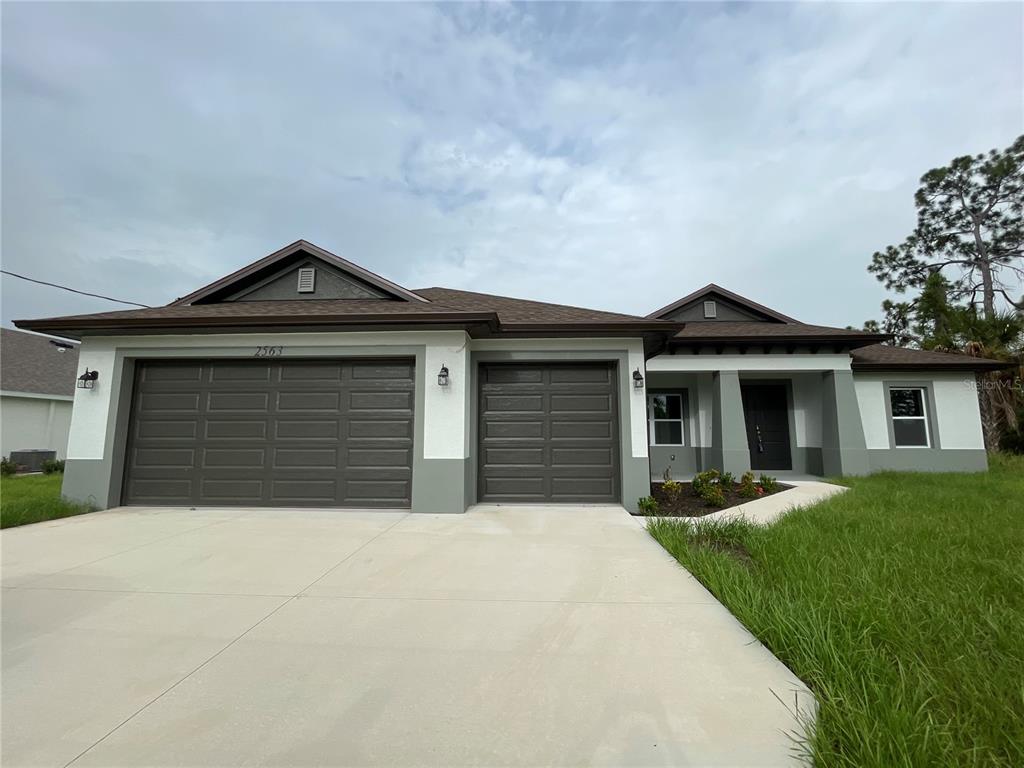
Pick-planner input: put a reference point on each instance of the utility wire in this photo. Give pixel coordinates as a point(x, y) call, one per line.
point(73, 290)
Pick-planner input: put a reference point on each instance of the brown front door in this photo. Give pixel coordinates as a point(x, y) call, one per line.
point(766, 410)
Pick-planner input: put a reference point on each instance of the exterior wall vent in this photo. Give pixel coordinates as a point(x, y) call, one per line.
point(307, 280)
point(710, 310)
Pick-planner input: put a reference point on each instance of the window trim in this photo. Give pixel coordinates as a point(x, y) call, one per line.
point(710, 310)
point(925, 415)
point(683, 396)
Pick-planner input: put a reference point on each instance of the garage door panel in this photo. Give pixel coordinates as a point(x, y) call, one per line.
point(241, 458)
point(178, 372)
point(285, 433)
point(375, 401)
point(548, 432)
point(581, 430)
point(306, 429)
point(520, 487)
point(171, 429)
point(309, 401)
point(256, 372)
point(573, 402)
point(223, 429)
point(233, 491)
point(582, 457)
point(164, 491)
point(383, 428)
point(235, 402)
point(156, 402)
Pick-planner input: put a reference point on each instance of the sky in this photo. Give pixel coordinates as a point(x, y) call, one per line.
point(615, 156)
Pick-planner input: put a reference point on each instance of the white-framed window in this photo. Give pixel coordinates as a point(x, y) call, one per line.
point(710, 310)
point(665, 418)
point(909, 417)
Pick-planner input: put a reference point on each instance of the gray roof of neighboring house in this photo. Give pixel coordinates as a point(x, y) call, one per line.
point(885, 357)
point(30, 363)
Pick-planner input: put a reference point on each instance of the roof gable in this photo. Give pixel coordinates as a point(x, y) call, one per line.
point(730, 307)
point(254, 281)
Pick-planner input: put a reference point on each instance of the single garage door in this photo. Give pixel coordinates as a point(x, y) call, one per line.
point(283, 433)
point(548, 433)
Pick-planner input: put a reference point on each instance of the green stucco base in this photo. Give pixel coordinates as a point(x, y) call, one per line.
point(927, 460)
point(88, 480)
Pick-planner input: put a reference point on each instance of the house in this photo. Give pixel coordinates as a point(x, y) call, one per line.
point(37, 387)
point(306, 380)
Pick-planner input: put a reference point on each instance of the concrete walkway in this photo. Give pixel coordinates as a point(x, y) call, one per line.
point(505, 636)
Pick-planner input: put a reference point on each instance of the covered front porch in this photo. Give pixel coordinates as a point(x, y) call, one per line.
point(793, 416)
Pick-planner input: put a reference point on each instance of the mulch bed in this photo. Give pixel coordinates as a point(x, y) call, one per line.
point(689, 504)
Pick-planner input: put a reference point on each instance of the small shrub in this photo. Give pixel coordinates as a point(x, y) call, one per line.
point(53, 465)
point(704, 480)
point(672, 489)
point(7, 467)
point(713, 495)
point(647, 505)
point(768, 483)
point(727, 480)
point(748, 489)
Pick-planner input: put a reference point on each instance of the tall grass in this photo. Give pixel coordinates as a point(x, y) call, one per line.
point(900, 603)
point(34, 498)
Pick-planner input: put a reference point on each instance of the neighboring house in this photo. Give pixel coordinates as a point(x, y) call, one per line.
point(305, 380)
point(37, 387)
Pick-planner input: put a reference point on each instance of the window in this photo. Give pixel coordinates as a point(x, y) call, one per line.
point(665, 419)
point(710, 310)
point(909, 417)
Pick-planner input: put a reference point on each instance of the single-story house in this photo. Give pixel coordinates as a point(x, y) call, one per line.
point(306, 380)
point(37, 388)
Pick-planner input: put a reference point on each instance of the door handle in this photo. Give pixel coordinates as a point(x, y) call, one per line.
point(760, 443)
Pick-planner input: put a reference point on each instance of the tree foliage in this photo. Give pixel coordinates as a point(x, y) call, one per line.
point(959, 271)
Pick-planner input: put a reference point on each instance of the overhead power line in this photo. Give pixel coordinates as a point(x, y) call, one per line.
point(74, 290)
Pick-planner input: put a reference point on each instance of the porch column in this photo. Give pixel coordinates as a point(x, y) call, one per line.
point(729, 451)
point(843, 448)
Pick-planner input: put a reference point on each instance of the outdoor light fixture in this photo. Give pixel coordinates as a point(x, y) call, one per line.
point(638, 379)
point(442, 376)
point(61, 346)
point(88, 379)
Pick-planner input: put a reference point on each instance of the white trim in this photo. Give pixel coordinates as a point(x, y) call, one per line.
point(36, 395)
point(710, 310)
point(780, 363)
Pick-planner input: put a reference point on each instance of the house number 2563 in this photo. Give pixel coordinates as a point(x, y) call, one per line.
point(268, 351)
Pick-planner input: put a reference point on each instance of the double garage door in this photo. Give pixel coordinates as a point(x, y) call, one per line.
point(272, 433)
point(339, 433)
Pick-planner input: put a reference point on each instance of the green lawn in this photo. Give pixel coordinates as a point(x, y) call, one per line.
point(33, 498)
point(900, 603)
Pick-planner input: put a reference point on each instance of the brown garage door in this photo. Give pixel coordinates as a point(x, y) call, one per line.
point(548, 433)
point(281, 433)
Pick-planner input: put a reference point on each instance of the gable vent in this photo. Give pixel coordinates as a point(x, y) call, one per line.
point(710, 310)
point(307, 280)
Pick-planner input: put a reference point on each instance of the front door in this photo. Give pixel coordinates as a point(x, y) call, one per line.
point(766, 409)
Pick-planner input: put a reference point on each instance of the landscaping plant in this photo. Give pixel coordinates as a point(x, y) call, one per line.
point(53, 465)
point(647, 505)
point(748, 489)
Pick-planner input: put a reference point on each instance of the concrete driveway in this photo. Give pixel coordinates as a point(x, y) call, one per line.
point(512, 636)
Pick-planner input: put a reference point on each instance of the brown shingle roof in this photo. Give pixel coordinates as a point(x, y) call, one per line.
point(523, 311)
point(30, 363)
point(722, 331)
point(885, 357)
point(442, 305)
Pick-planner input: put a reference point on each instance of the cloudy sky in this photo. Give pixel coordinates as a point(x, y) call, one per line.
point(613, 156)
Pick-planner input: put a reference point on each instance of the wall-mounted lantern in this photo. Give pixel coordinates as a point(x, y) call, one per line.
point(442, 376)
point(638, 379)
point(88, 379)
